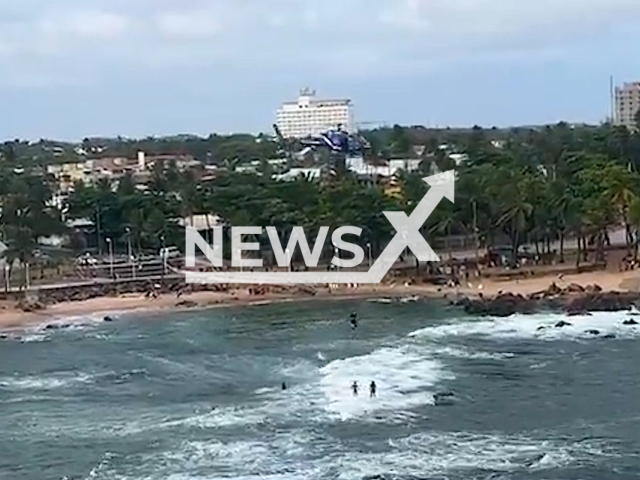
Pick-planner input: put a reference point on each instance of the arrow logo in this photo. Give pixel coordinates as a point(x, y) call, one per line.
point(407, 236)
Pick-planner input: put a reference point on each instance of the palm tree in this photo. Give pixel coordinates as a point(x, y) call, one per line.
point(20, 246)
point(634, 220)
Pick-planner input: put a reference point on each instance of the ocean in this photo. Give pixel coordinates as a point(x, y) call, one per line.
point(197, 396)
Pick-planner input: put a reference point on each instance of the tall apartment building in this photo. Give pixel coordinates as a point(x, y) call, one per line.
point(627, 102)
point(311, 116)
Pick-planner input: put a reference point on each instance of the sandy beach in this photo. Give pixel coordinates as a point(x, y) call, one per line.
point(11, 317)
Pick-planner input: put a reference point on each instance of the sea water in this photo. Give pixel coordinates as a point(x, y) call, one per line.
point(186, 396)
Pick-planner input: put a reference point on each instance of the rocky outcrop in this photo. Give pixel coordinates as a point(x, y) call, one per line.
point(575, 288)
point(30, 305)
point(601, 302)
point(571, 300)
point(502, 305)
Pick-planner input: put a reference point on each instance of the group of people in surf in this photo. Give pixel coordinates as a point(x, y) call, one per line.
point(372, 389)
point(354, 386)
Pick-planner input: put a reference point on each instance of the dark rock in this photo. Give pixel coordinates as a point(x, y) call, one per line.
point(610, 335)
point(107, 319)
point(30, 305)
point(630, 322)
point(52, 326)
point(595, 288)
point(461, 302)
point(592, 332)
point(553, 290)
point(577, 303)
point(3, 336)
point(602, 302)
point(503, 305)
point(562, 323)
point(187, 304)
point(575, 288)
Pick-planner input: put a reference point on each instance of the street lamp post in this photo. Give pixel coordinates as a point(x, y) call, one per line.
point(164, 256)
point(130, 252)
point(110, 243)
point(369, 252)
point(98, 234)
point(288, 252)
point(475, 232)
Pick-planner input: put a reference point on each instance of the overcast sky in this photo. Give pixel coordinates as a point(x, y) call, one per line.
point(76, 68)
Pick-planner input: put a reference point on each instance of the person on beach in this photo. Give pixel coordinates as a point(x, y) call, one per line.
point(354, 387)
point(372, 389)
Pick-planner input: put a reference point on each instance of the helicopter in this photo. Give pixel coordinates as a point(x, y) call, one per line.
point(337, 141)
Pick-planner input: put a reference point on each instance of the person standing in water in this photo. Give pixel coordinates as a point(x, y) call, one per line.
point(284, 386)
point(354, 320)
point(372, 389)
point(354, 387)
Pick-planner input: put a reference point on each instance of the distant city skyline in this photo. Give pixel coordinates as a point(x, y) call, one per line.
point(87, 68)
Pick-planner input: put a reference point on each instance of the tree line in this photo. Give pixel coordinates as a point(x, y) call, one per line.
point(529, 186)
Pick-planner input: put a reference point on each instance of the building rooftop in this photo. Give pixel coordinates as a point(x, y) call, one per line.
point(629, 85)
point(308, 96)
point(321, 103)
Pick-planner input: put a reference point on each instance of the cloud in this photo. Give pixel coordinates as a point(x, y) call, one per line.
point(194, 25)
point(85, 25)
point(330, 37)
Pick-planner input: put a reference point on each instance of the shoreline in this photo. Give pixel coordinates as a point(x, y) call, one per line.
point(12, 318)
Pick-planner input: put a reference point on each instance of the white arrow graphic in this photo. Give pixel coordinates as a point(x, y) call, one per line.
point(408, 235)
point(408, 228)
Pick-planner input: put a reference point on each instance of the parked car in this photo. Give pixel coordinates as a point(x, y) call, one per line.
point(169, 252)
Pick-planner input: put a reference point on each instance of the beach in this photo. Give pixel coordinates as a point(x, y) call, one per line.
point(12, 317)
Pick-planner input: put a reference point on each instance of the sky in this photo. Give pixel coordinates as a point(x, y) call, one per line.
point(80, 68)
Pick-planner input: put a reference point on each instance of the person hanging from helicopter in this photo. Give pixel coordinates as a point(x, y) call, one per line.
point(354, 320)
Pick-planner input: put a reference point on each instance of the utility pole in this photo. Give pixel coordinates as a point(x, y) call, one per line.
point(130, 252)
point(475, 232)
point(110, 242)
point(612, 100)
point(98, 239)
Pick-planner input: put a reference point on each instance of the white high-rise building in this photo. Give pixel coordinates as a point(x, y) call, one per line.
point(627, 102)
point(312, 116)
